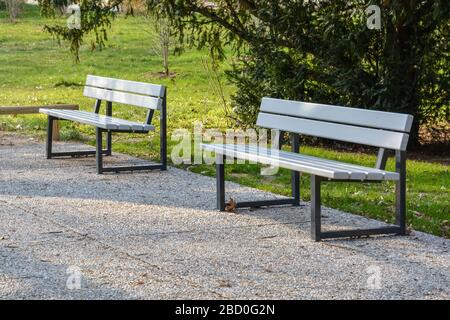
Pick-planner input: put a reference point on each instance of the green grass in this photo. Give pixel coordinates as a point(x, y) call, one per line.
point(35, 70)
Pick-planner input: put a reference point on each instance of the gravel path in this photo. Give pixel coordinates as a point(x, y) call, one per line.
point(157, 235)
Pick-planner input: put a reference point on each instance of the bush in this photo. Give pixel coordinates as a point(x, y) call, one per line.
point(323, 51)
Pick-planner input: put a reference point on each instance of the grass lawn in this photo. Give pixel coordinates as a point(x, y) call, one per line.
point(36, 70)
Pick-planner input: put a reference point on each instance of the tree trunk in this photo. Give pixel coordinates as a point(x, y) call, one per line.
point(13, 7)
point(165, 45)
point(402, 59)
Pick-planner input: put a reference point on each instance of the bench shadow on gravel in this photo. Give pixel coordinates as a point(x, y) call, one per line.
point(136, 190)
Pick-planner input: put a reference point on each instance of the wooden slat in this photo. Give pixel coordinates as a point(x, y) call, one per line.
point(353, 116)
point(114, 123)
point(55, 132)
point(35, 109)
point(104, 122)
point(107, 122)
point(307, 164)
point(366, 136)
point(126, 85)
point(266, 159)
point(82, 117)
point(369, 173)
point(123, 97)
point(93, 118)
point(296, 159)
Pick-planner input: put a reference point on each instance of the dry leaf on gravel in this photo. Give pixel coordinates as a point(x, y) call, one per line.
point(139, 282)
point(231, 206)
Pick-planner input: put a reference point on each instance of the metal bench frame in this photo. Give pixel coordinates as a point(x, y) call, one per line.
point(400, 213)
point(316, 181)
point(295, 183)
point(100, 152)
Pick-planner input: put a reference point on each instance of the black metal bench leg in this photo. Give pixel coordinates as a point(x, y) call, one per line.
point(315, 208)
point(296, 188)
point(220, 180)
point(295, 146)
point(163, 133)
point(399, 228)
point(400, 191)
point(109, 133)
point(99, 151)
point(49, 143)
point(108, 144)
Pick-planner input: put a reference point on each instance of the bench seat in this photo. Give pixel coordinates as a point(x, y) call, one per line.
point(302, 163)
point(99, 121)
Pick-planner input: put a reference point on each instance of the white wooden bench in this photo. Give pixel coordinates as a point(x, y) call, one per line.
point(138, 94)
point(383, 130)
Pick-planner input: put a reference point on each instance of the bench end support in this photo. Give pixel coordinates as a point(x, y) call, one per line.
point(400, 191)
point(163, 133)
point(315, 209)
point(99, 151)
point(49, 142)
point(220, 182)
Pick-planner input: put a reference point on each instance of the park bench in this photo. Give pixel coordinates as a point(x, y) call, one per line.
point(384, 130)
point(138, 94)
point(16, 110)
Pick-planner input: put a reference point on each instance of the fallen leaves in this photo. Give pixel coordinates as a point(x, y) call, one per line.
point(409, 230)
point(225, 284)
point(445, 228)
point(418, 214)
point(140, 281)
point(231, 206)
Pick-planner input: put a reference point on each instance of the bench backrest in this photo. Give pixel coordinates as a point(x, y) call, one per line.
point(368, 127)
point(133, 93)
